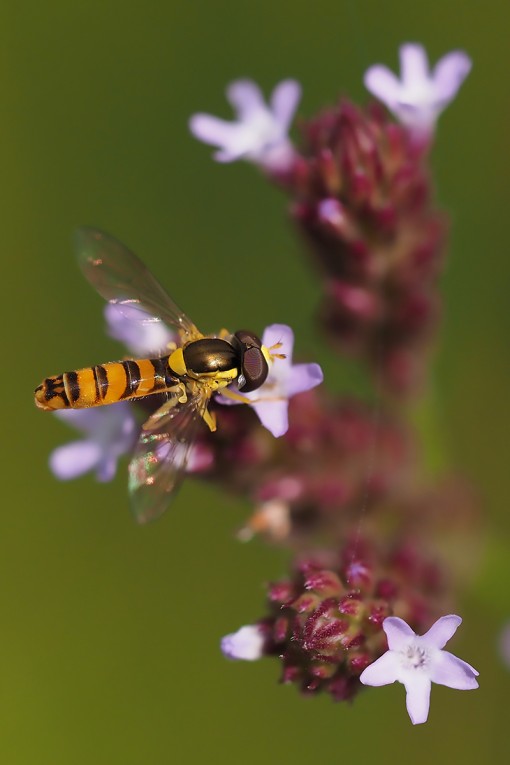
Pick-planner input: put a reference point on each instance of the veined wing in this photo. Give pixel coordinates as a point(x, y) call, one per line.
point(159, 463)
point(122, 279)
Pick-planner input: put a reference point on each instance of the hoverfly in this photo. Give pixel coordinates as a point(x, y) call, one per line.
point(188, 374)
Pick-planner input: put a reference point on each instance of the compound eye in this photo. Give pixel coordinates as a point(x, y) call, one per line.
point(254, 369)
point(248, 338)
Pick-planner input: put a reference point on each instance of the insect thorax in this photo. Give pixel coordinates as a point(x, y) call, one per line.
point(219, 362)
point(208, 357)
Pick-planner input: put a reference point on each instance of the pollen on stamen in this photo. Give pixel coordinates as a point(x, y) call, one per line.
point(415, 657)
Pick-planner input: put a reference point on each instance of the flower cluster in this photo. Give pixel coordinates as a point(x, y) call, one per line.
point(361, 196)
point(325, 623)
point(337, 481)
point(330, 628)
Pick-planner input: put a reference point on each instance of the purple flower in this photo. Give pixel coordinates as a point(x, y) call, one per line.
point(110, 432)
point(247, 643)
point(142, 334)
point(418, 98)
point(260, 133)
point(285, 380)
point(418, 661)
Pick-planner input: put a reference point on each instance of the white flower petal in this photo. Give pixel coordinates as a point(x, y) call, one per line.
point(449, 74)
point(279, 333)
point(214, 130)
point(284, 101)
point(229, 155)
point(274, 415)
point(382, 672)
point(447, 669)
point(246, 98)
point(414, 66)
point(102, 423)
point(441, 631)
point(304, 377)
point(111, 432)
point(74, 459)
point(398, 632)
point(383, 84)
point(106, 469)
point(86, 420)
point(418, 698)
point(142, 334)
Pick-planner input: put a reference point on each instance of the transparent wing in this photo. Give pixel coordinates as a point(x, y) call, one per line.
point(159, 463)
point(122, 279)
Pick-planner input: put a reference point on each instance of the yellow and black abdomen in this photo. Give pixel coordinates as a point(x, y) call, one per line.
point(105, 384)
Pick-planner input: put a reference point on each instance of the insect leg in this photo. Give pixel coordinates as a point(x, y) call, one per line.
point(210, 420)
point(235, 396)
point(184, 395)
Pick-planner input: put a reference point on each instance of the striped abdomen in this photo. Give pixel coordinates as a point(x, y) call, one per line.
point(105, 384)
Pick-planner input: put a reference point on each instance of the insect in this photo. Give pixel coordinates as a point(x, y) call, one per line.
point(188, 374)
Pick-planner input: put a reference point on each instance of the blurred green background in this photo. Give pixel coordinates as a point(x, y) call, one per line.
point(109, 633)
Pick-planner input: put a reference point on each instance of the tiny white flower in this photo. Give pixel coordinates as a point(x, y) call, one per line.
point(417, 661)
point(260, 132)
point(419, 97)
point(247, 643)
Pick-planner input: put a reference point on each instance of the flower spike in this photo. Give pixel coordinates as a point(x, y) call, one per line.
point(418, 661)
point(419, 97)
point(260, 132)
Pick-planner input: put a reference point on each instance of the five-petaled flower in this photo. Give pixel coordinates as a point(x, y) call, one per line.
point(419, 97)
point(110, 431)
point(260, 133)
point(247, 643)
point(417, 661)
point(285, 380)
